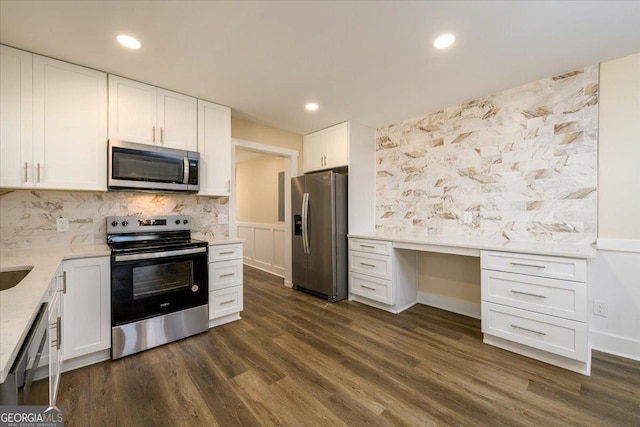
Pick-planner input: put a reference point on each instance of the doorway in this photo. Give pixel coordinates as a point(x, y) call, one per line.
point(268, 243)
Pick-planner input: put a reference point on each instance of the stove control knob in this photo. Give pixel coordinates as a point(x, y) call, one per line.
point(114, 223)
point(125, 223)
point(185, 221)
point(177, 222)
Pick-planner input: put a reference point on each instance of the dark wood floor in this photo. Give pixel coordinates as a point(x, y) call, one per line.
point(295, 360)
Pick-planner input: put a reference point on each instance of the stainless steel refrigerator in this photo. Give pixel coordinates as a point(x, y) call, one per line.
point(319, 217)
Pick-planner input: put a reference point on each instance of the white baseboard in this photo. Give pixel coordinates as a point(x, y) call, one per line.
point(466, 308)
point(616, 345)
point(277, 271)
point(618, 245)
point(288, 284)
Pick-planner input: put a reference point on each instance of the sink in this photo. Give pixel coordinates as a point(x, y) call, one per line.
point(11, 277)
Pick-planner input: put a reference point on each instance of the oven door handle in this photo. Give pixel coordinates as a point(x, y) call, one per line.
point(163, 254)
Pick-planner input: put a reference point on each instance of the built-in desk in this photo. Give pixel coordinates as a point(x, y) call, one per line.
point(534, 295)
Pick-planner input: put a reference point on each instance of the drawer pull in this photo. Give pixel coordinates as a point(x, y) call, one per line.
point(519, 264)
point(226, 253)
point(528, 330)
point(367, 246)
point(368, 287)
point(227, 274)
point(368, 265)
point(227, 302)
point(527, 293)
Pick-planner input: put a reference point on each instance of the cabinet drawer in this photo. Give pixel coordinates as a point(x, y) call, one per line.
point(548, 296)
point(567, 338)
point(225, 301)
point(371, 246)
point(370, 264)
point(536, 265)
point(224, 252)
point(371, 287)
point(224, 274)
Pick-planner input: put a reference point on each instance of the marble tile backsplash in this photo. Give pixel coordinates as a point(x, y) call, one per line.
point(523, 162)
point(28, 218)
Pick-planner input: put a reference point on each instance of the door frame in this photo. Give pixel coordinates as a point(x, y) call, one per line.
point(290, 170)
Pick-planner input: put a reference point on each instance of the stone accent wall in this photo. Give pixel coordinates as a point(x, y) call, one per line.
point(523, 162)
point(28, 218)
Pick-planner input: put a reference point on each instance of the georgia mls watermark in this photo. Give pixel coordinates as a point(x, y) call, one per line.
point(31, 416)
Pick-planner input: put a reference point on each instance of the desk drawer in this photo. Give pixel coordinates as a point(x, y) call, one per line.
point(225, 301)
point(371, 246)
point(370, 287)
point(536, 265)
point(225, 252)
point(370, 264)
point(224, 274)
point(559, 336)
point(560, 298)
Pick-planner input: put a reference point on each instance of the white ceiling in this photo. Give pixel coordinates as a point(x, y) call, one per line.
point(371, 62)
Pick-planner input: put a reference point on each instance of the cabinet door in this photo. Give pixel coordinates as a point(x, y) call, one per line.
point(337, 146)
point(177, 121)
point(69, 126)
point(15, 117)
point(55, 338)
point(214, 145)
point(132, 111)
point(87, 307)
point(313, 150)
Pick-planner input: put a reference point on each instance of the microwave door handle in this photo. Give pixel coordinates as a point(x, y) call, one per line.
point(185, 162)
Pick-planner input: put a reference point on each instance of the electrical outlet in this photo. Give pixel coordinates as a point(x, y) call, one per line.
point(467, 218)
point(223, 219)
point(600, 308)
point(62, 224)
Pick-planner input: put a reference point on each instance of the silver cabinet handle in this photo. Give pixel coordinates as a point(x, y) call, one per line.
point(367, 265)
point(368, 287)
point(367, 246)
point(64, 282)
point(227, 302)
point(153, 130)
point(226, 253)
point(528, 330)
point(527, 293)
point(59, 332)
point(38, 172)
point(161, 136)
point(26, 172)
point(227, 274)
point(519, 264)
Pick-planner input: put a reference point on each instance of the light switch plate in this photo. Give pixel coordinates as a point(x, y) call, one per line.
point(62, 224)
point(467, 218)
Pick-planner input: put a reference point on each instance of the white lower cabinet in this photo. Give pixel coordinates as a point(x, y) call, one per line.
point(225, 283)
point(381, 276)
point(87, 308)
point(537, 306)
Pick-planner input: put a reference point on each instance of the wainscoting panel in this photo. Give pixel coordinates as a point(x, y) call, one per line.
point(264, 246)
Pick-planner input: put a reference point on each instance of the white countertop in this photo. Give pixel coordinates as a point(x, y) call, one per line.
point(471, 246)
point(19, 305)
point(219, 240)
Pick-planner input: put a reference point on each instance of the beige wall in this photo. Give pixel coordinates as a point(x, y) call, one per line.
point(619, 149)
point(249, 131)
point(257, 189)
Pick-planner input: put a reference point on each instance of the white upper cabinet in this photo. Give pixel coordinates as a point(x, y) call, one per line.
point(214, 145)
point(327, 148)
point(69, 126)
point(149, 115)
point(16, 99)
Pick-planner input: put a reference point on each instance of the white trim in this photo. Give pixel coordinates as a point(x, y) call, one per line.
point(291, 170)
point(619, 245)
point(614, 344)
point(268, 240)
point(454, 305)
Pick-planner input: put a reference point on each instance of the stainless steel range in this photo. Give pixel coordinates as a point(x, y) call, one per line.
point(159, 282)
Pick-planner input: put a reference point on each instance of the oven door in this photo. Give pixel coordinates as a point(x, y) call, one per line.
point(149, 284)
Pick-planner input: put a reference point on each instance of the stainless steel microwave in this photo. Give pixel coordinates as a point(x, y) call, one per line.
point(134, 166)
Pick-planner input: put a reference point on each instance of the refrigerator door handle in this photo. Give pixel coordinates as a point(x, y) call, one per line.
point(305, 223)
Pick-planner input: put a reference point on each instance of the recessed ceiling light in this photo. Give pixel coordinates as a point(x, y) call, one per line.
point(312, 106)
point(444, 41)
point(128, 41)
